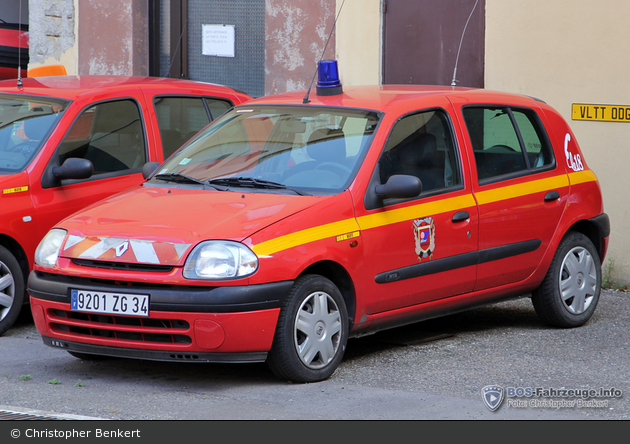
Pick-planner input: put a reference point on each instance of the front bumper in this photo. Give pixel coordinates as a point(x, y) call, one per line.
point(202, 324)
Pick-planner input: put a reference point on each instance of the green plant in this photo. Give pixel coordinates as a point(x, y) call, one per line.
point(54, 381)
point(607, 280)
point(25, 377)
point(78, 383)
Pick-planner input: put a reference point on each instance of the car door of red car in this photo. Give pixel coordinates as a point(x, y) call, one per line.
point(519, 188)
point(112, 135)
point(423, 248)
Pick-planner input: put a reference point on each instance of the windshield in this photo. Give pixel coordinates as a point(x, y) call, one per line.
point(302, 149)
point(24, 124)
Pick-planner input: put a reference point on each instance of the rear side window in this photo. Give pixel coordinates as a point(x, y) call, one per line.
point(180, 118)
point(108, 134)
point(506, 141)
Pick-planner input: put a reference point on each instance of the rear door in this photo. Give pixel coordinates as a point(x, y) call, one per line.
point(420, 249)
point(519, 188)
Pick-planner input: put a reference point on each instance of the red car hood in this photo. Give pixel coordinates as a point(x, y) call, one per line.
point(158, 225)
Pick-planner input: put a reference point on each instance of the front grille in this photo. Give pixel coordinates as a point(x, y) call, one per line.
point(123, 266)
point(124, 328)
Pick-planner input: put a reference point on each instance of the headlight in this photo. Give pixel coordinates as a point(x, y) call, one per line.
point(48, 249)
point(220, 260)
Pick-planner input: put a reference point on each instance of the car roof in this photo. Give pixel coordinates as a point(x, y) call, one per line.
point(384, 97)
point(72, 87)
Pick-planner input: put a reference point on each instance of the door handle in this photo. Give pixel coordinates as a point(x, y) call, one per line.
point(551, 196)
point(460, 216)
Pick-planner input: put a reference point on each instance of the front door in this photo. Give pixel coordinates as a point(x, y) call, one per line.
point(420, 249)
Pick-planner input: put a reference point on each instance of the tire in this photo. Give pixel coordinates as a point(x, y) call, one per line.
point(11, 289)
point(570, 291)
point(311, 333)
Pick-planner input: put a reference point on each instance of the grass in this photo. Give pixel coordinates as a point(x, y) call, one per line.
point(608, 282)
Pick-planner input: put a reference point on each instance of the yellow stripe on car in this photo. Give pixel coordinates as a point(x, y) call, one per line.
point(341, 229)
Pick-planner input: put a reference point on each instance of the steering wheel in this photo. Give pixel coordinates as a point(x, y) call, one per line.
point(337, 168)
point(24, 147)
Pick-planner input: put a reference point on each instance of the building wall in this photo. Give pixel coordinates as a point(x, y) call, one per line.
point(296, 32)
point(53, 33)
point(565, 52)
point(359, 42)
point(113, 37)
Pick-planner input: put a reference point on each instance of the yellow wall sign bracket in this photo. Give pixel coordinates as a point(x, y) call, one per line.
point(600, 113)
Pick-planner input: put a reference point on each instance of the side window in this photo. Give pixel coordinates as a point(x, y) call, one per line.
point(180, 118)
point(110, 135)
point(506, 140)
point(422, 145)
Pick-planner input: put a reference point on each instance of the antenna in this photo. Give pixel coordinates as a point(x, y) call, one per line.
point(19, 79)
point(454, 81)
point(308, 92)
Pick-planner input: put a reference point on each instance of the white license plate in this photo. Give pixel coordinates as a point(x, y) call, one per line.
point(110, 303)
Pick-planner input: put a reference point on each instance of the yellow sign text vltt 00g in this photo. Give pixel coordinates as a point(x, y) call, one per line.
point(601, 113)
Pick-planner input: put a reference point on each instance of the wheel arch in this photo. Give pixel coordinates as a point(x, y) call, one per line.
point(341, 278)
point(18, 252)
point(596, 229)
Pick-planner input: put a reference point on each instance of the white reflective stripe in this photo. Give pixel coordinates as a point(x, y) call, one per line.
point(180, 249)
point(73, 240)
point(144, 251)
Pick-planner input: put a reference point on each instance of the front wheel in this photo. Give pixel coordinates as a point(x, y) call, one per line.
point(11, 289)
point(311, 333)
point(570, 291)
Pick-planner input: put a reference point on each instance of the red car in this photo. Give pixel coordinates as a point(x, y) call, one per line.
point(66, 142)
point(296, 221)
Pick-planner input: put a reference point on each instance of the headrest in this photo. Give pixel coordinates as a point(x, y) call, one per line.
point(327, 145)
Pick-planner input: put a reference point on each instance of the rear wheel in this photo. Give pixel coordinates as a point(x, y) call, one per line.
point(11, 289)
point(311, 333)
point(570, 291)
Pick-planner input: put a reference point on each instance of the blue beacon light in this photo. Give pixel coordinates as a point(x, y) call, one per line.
point(328, 83)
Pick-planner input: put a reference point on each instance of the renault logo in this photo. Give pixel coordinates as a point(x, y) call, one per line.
point(120, 250)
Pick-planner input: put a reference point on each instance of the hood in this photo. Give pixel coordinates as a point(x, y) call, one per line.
point(158, 225)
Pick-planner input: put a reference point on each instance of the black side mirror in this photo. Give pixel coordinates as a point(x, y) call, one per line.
point(149, 168)
point(399, 186)
point(74, 168)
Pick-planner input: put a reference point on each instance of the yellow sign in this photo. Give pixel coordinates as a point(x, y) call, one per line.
point(347, 236)
point(15, 190)
point(601, 113)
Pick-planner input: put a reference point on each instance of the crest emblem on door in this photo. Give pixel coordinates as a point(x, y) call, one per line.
point(424, 236)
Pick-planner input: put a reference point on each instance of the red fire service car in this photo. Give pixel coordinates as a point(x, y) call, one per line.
point(296, 221)
point(66, 142)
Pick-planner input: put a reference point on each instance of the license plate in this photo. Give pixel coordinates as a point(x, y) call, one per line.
point(110, 303)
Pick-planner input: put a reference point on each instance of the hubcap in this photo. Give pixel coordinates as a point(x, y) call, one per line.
point(317, 330)
point(7, 290)
point(578, 280)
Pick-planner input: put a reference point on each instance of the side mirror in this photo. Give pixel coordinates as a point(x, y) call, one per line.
point(74, 168)
point(399, 186)
point(149, 168)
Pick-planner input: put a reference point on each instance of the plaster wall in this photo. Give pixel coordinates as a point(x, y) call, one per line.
point(296, 32)
point(359, 37)
point(565, 52)
point(52, 33)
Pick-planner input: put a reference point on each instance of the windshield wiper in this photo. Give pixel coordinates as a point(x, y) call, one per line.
point(254, 183)
point(182, 178)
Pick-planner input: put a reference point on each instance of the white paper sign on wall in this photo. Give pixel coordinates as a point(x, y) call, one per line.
point(217, 40)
